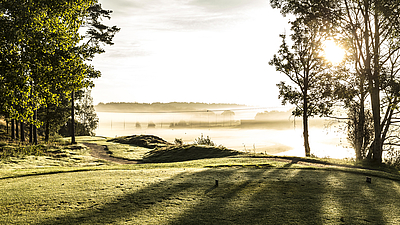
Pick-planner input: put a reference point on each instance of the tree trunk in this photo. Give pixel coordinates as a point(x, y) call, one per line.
point(35, 136)
point(16, 130)
point(73, 118)
point(22, 131)
point(377, 147)
point(305, 120)
point(47, 131)
point(305, 135)
point(12, 129)
point(7, 126)
point(47, 126)
point(31, 133)
point(360, 126)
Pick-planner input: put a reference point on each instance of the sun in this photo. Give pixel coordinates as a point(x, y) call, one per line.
point(332, 52)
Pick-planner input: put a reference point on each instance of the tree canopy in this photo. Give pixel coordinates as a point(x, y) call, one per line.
point(43, 53)
point(369, 29)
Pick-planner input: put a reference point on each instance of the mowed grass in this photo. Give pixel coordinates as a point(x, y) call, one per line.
point(277, 194)
point(250, 191)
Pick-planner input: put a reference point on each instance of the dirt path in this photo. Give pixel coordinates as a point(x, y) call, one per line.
point(101, 152)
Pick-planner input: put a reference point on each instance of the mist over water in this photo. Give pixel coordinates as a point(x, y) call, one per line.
point(270, 138)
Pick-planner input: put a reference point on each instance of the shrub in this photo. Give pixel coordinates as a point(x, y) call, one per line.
point(204, 141)
point(178, 141)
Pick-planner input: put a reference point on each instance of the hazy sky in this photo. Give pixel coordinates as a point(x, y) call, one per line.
point(214, 51)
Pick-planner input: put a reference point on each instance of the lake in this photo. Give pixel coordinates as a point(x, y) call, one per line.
point(326, 140)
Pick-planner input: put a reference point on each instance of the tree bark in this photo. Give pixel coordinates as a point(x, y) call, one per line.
point(305, 120)
point(47, 131)
point(360, 126)
point(375, 96)
point(47, 126)
point(377, 147)
point(22, 126)
point(31, 133)
point(35, 136)
point(73, 118)
point(13, 129)
point(16, 130)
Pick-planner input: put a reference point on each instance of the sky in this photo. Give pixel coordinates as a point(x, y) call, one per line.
point(212, 51)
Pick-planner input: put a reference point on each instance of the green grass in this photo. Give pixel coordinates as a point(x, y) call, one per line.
point(251, 190)
point(189, 196)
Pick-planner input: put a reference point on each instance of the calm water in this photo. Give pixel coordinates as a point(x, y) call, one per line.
point(324, 142)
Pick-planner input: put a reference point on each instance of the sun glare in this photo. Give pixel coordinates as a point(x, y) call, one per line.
point(333, 52)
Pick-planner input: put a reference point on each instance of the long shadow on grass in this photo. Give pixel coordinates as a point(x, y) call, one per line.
point(294, 196)
point(251, 196)
point(130, 204)
point(374, 197)
point(267, 196)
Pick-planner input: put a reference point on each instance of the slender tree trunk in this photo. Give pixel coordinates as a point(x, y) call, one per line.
point(47, 126)
point(35, 136)
point(7, 126)
point(47, 131)
point(305, 134)
point(31, 133)
point(73, 118)
point(13, 129)
point(22, 131)
point(360, 125)
point(305, 121)
point(376, 109)
point(16, 130)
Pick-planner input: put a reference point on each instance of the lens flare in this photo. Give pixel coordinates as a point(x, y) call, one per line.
point(332, 52)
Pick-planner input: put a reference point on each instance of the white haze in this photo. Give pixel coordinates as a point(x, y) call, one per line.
point(325, 142)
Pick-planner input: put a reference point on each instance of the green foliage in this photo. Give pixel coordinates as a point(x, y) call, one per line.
point(44, 56)
point(80, 129)
point(303, 64)
point(86, 114)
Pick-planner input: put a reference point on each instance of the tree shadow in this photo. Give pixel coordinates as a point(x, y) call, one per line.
point(132, 203)
point(293, 196)
point(253, 196)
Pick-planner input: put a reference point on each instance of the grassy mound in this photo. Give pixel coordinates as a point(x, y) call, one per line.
point(146, 141)
point(178, 153)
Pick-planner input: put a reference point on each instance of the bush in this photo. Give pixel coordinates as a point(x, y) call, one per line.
point(178, 141)
point(393, 157)
point(204, 141)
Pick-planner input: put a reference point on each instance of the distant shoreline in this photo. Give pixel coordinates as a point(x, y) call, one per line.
point(134, 107)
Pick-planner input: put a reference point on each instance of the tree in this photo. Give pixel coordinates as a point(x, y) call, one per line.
point(54, 116)
point(96, 34)
point(43, 58)
point(304, 65)
point(372, 30)
point(86, 114)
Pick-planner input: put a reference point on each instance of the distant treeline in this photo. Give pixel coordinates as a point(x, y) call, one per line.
point(162, 107)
